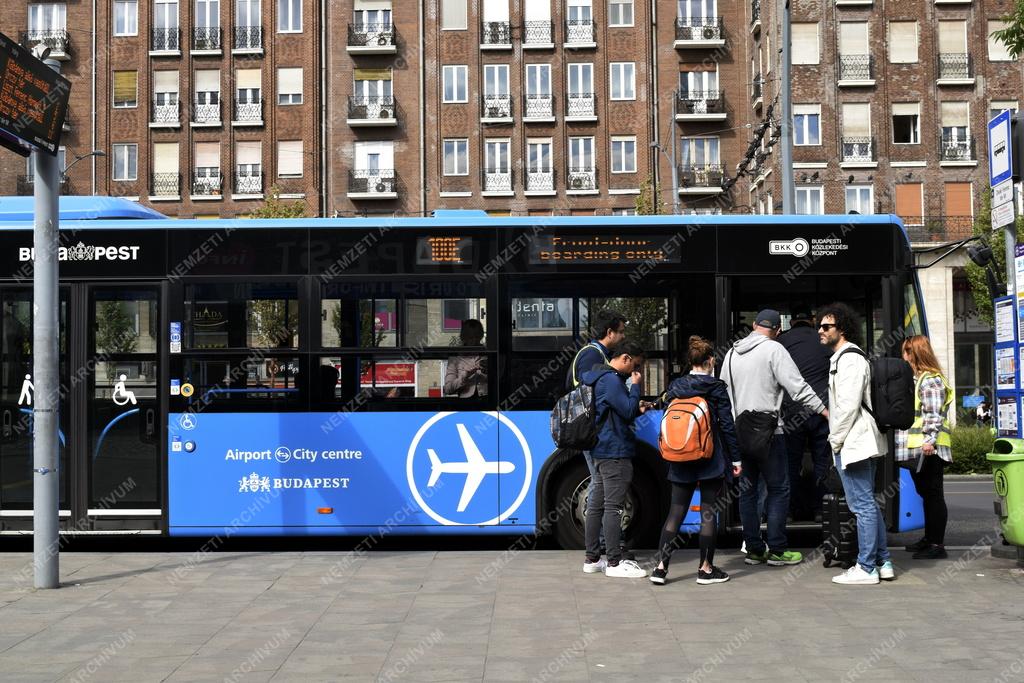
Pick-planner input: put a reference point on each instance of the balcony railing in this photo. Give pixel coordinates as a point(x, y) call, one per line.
point(540, 181)
point(206, 38)
point(756, 90)
point(699, 29)
point(938, 228)
point(165, 185)
point(58, 40)
point(248, 112)
point(954, 66)
point(580, 31)
point(755, 12)
point(206, 113)
point(166, 113)
point(249, 183)
point(858, 150)
point(372, 34)
point(371, 108)
point(497, 181)
point(165, 39)
point(707, 175)
point(855, 68)
point(248, 37)
point(538, 106)
point(206, 182)
point(26, 185)
point(538, 33)
point(580, 104)
point(582, 179)
point(956, 149)
point(700, 102)
point(495, 33)
point(377, 181)
point(497, 106)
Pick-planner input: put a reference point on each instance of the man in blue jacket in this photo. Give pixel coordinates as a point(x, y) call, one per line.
point(616, 408)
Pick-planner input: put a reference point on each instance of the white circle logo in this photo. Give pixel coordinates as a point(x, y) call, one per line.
point(800, 247)
point(187, 422)
point(282, 454)
point(482, 467)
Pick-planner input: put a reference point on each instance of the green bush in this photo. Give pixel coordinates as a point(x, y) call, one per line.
point(971, 443)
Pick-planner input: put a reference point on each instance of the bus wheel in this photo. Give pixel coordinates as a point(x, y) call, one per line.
point(570, 504)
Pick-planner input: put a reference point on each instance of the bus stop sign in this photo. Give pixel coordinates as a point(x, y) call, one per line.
point(1000, 148)
point(33, 101)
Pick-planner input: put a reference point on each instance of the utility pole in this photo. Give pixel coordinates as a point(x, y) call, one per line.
point(788, 192)
point(45, 378)
point(672, 158)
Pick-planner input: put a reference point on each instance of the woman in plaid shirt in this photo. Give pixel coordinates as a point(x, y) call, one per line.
point(925, 447)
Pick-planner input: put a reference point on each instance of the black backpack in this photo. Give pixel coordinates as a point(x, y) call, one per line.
point(574, 419)
point(892, 390)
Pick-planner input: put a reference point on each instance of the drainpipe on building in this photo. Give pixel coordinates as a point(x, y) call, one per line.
point(323, 112)
point(788, 194)
point(655, 95)
point(92, 116)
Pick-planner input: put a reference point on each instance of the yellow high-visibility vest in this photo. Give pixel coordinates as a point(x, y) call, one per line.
point(915, 435)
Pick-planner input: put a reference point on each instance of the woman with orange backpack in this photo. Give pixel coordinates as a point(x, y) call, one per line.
point(698, 439)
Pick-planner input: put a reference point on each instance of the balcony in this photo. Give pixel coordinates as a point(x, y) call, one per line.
point(497, 183)
point(206, 183)
point(206, 40)
point(699, 33)
point(955, 69)
point(248, 40)
point(540, 183)
point(495, 35)
point(26, 185)
point(701, 179)
point(165, 115)
point(938, 228)
point(697, 105)
point(857, 152)
point(582, 181)
point(165, 42)
point(757, 94)
point(205, 115)
point(165, 187)
point(856, 71)
point(248, 114)
point(581, 107)
point(538, 35)
point(372, 184)
point(58, 40)
point(365, 111)
point(957, 152)
point(248, 185)
point(496, 109)
point(539, 108)
point(580, 34)
point(374, 38)
point(755, 16)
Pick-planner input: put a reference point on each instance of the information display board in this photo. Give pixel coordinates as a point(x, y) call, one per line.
point(1008, 355)
point(33, 101)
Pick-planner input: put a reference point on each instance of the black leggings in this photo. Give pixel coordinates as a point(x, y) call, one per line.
point(682, 494)
point(928, 483)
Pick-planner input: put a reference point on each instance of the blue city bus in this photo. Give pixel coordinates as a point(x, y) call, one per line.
point(311, 377)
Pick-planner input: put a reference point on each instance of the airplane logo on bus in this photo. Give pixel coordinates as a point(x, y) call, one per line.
point(475, 467)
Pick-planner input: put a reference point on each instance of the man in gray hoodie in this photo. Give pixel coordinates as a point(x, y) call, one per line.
point(757, 370)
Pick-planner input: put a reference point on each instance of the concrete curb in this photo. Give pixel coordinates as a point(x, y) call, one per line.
point(968, 477)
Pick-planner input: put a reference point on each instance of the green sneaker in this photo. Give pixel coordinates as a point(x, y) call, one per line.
point(756, 558)
point(784, 558)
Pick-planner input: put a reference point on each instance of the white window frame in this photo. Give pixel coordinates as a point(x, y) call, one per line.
point(539, 167)
point(917, 43)
point(993, 109)
point(287, 21)
point(802, 116)
point(860, 200)
point(461, 74)
point(1003, 55)
point(503, 148)
point(441, 18)
point(578, 73)
point(690, 145)
point(533, 81)
point(288, 99)
point(622, 79)
point(161, 11)
point(619, 158)
point(113, 93)
point(817, 35)
point(247, 13)
point(302, 164)
point(917, 128)
point(616, 8)
point(455, 144)
point(706, 9)
point(206, 14)
point(130, 9)
point(581, 143)
point(125, 148)
point(54, 16)
point(804, 194)
point(497, 80)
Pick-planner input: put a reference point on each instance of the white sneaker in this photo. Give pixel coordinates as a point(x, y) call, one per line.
point(594, 567)
point(626, 569)
point(886, 572)
point(856, 576)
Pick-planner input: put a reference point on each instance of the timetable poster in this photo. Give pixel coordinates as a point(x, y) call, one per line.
point(1004, 320)
point(1018, 262)
point(1006, 369)
point(1006, 416)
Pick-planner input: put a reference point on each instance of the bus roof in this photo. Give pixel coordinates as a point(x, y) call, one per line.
point(21, 210)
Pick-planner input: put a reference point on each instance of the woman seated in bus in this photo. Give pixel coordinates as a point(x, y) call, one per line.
point(466, 376)
point(709, 474)
point(925, 447)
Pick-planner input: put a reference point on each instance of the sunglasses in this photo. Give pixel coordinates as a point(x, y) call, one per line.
point(826, 326)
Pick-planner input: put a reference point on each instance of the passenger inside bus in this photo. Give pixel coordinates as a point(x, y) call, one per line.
point(466, 376)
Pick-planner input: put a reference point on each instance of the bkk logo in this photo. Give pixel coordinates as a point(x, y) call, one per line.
point(797, 247)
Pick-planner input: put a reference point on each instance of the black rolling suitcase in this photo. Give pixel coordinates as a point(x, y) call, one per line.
point(839, 532)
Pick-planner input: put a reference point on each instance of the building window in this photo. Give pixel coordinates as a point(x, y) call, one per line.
point(955, 117)
point(538, 161)
point(289, 16)
point(623, 212)
point(700, 152)
point(207, 15)
point(806, 124)
point(902, 42)
point(997, 106)
point(289, 159)
point(581, 157)
point(126, 161)
point(624, 155)
point(910, 202)
point(454, 79)
point(289, 85)
point(454, 15)
point(809, 200)
point(620, 12)
point(47, 17)
point(997, 51)
point(860, 199)
point(906, 123)
point(805, 43)
point(623, 77)
point(456, 157)
point(496, 157)
point(126, 17)
point(126, 89)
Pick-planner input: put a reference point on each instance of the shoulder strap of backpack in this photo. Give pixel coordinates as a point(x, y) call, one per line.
point(859, 352)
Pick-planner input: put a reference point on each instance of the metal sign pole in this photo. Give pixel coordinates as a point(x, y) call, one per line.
point(45, 378)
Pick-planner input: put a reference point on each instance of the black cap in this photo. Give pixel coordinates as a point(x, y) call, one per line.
point(769, 318)
point(801, 312)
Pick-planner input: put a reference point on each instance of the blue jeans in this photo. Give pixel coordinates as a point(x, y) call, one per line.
point(773, 469)
point(813, 433)
point(859, 486)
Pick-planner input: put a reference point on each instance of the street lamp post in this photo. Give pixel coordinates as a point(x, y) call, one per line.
point(672, 157)
point(80, 157)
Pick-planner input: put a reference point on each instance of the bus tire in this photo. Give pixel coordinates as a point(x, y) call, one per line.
point(568, 504)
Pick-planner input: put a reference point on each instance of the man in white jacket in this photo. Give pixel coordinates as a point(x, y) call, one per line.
point(857, 444)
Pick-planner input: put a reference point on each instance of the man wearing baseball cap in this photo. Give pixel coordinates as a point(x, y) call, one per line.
point(759, 371)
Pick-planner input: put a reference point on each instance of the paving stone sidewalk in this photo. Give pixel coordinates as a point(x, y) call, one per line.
point(501, 616)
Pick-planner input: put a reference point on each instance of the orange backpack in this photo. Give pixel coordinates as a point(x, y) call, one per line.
point(686, 430)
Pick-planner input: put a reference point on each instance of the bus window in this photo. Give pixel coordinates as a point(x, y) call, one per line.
point(249, 378)
point(912, 312)
point(229, 316)
point(362, 323)
point(402, 378)
point(439, 322)
point(646, 318)
point(541, 324)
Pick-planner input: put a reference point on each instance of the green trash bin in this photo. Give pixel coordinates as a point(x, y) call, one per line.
point(1008, 479)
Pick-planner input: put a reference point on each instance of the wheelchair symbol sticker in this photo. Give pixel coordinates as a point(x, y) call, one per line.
point(187, 422)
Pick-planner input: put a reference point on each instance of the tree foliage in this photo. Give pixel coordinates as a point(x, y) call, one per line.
point(1013, 35)
point(274, 207)
point(115, 331)
point(647, 318)
point(649, 202)
point(976, 274)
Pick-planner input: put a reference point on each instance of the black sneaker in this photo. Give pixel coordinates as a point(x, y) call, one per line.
point(716, 575)
point(920, 545)
point(658, 576)
point(932, 552)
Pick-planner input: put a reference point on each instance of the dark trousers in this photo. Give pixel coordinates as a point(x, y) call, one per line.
point(928, 483)
point(682, 494)
point(772, 468)
point(604, 507)
point(811, 433)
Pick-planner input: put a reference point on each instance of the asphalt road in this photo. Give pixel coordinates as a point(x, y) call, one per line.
point(971, 519)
